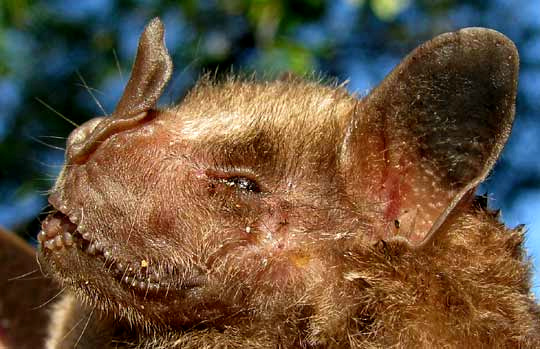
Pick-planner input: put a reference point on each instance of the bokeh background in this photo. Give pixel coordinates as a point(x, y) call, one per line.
point(73, 58)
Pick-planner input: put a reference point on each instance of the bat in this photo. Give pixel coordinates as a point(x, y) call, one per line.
point(292, 213)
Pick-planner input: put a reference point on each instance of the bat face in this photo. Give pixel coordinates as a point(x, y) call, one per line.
point(293, 213)
point(186, 212)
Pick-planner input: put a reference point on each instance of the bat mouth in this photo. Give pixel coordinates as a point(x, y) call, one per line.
point(59, 234)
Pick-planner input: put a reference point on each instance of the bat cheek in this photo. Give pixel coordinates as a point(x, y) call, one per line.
point(274, 223)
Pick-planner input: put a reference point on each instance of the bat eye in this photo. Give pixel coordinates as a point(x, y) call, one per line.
point(242, 183)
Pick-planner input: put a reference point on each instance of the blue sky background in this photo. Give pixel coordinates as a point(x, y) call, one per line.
point(350, 39)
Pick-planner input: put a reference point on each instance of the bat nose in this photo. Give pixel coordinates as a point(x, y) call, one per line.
point(84, 140)
point(79, 137)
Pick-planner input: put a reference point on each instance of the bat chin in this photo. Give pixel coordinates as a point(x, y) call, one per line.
point(80, 258)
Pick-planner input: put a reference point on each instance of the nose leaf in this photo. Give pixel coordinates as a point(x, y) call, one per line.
point(151, 72)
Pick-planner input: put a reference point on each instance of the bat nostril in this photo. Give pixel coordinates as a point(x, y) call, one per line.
point(79, 138)
point(81, 133)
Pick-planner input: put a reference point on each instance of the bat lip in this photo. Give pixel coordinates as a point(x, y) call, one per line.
point(60, 238)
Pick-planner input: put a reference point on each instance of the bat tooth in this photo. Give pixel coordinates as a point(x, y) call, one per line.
point(52, 227)
point(91, 249)
point(49, 244)
point(98, 246)
point(58, 242)
point(68, 239)
point(42, 236)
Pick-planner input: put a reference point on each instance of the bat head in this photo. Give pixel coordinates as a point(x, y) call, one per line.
point(248, 195)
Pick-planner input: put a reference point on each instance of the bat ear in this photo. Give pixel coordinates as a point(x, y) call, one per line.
point(424, 139)
point(150, 74)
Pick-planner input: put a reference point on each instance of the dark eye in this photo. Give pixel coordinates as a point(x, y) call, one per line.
point(242, 183)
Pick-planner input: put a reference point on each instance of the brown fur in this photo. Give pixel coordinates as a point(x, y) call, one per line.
point(470, 291)
point(24, 294)
point(292, 214)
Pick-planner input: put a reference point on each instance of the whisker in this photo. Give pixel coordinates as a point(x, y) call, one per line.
point(72, 328)
point(50, 299)
point(44, 192)
point(118, 65)
point(23, 275)
point(39, 265)
point(48, 212)
point(46, 144)
point(56, 112)
point(147, 288)
point(89, 90)
point(93, 89)
point(53, 137)
point(54, 166)
point(34, 278)
point(85, 327)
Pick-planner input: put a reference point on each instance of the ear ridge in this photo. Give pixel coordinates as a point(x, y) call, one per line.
point(150, 74)
point(440, 120)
